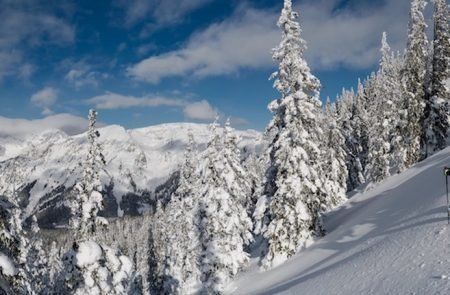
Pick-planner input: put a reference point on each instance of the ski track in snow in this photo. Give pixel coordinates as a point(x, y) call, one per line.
point(392, 239)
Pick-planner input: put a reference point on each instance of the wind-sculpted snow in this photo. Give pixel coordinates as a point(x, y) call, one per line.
point(390, 239)
point(43, 168)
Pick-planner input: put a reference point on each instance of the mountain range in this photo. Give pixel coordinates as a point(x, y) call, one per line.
point(42, 168)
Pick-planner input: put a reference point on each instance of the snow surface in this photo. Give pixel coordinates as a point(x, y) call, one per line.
point(7, 266)
point(392, 239)
point(89, 252)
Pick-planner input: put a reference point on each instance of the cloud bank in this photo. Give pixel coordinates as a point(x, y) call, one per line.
point(200, 110)
point(197, 110)
point(20, 128)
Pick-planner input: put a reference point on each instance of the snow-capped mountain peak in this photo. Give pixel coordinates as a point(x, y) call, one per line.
point(137, 161)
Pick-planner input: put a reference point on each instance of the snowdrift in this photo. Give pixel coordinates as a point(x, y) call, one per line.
point(391, 239)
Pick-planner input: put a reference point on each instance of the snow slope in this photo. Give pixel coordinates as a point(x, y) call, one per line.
point(392, 239)
point(10, 147)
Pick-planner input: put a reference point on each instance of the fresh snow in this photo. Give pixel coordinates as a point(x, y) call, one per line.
point(7, 265)
point(99, 270)
point(391, 239)
point(89, 252)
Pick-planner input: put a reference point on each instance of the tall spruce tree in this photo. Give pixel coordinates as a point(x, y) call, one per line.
point(384, 129)
point(438, 95)
point(239, 184)
point(224, 226)
point(14, 243)
point(399, 120)
point(356, 141)
point(88, 198)
point(37, 262)
point(165, 263)
point(91, 268)
point(253, 167)
point(14, 277)
point(291, 188)
point(413, 83)
point(334, 166)
point(181, 256)
point(55, 268)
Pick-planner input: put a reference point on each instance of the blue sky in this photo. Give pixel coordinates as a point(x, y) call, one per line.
point(144, 62)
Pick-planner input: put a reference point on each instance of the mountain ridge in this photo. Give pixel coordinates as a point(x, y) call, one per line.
point(137, 162)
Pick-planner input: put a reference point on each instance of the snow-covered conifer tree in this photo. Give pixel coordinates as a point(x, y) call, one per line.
point(88, 199)
point(55, 267)
point(224, 226)
point(180, 271)
point(343, 107)
point(356, 141)
point(253, 166)
point(436, 113)
point(384, 129)
point(237, 182)
point(399, 120)
point(291, 188)
point(14, 243)
point(371, 85)
point(37, 264)
point(91, 268)
point(334, 168)
point(378, 167)
point(413, 83)
point(159, 266)
point(349, 115)
point(14, 278)
point(95, 269)
point(188, 174)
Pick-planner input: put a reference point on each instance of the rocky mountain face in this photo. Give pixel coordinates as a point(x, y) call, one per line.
point(41, 170)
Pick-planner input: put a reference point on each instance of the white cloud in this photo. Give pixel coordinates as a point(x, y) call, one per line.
point(195, 110)
point(81, 74)
point(351, 36)
point(26, 71)
point(161, 12)
point(70, 124)
point(28, 24)
point(8, 62)
point(111, 100)
point(222, 48)
point(200, 110)
point(145, 48)
point(80, 78)
point(238, 121)
point(45, 99)
point(348, 36)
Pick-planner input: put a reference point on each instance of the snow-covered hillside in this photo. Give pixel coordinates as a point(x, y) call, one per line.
point(138, 160)
point(10, 147)
point(392, 239)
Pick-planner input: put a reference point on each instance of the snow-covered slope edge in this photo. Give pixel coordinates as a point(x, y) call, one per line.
point(393, 239)
point(138, 161)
